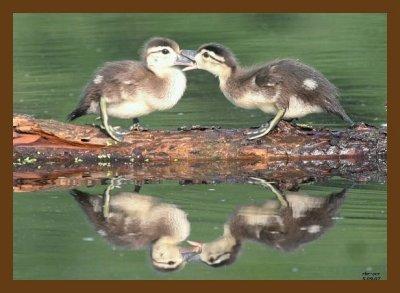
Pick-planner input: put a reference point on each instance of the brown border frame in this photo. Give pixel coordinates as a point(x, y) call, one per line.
point(8, 7)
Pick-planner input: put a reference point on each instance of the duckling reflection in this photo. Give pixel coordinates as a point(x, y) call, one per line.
point(136, 221)
point(285, 225)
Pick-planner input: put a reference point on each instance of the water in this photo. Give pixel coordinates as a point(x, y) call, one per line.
point(55, 55)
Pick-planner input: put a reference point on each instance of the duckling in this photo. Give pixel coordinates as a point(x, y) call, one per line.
point(131, 89)
point(287, 88)
point(136, 221)
point(285, 225)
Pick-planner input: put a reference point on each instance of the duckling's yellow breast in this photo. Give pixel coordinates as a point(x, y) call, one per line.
point(171, 93)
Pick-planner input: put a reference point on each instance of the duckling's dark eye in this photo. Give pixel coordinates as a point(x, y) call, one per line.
point(206, 55)
point(171, 262)
point(165, 51)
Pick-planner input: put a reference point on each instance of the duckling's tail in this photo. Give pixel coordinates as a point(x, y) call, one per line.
point(335, 200)
point(333, 106)
point(346, 118)
point(79, 195)
point(78, 112)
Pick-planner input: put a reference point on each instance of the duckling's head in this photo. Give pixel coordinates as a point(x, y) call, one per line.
point(160, 54)
point(170, 257)
point(220, 252)
point(214, 58)
point(166, 256)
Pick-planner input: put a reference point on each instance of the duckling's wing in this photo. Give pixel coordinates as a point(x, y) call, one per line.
point(270, 81)
point(107, 81)
point(302, 81)
point(114, 79)
point(267, 77)
point(125, 73)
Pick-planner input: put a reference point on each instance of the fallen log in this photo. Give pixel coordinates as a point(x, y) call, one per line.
point(52, 154)
point(40, 142)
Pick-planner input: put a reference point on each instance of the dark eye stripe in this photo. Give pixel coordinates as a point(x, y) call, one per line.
point(215, 59)
point(159, 52)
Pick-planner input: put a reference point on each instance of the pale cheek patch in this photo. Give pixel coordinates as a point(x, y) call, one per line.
point(98, 79)
point(310, 84)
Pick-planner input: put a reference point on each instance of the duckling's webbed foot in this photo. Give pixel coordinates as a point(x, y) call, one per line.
point(271, 125)
point(262, 132)
point(119, 130)
point(116, 130)
point(118, 137)
point(262, 128)
point(136, 126)
point(104, 118)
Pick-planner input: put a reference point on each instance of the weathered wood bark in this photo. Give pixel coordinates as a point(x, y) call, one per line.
point(44, 141)
point(49, 154)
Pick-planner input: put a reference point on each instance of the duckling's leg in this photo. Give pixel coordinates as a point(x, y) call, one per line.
point(137, 188)
point(135, 124)
point(114, 183)
point(271, 125)
point(104, 118)
point(106, 199)
point(281, 197)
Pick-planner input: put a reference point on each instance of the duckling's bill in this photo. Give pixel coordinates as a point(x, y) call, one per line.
point(191, 253)
point(190, 54)
point(183, 60)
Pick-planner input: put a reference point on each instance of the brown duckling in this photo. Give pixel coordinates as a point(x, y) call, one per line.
point(286, 88)
point(131, 89)
point(285, 225)
point(136, 221)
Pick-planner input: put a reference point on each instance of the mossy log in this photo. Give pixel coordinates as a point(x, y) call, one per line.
point(43, 141)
